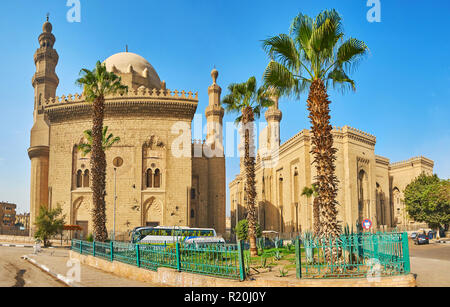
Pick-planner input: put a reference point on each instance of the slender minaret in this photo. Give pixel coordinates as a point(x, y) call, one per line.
point(214, 117)
point(273, 117)
point(45, 81)
point(216, 162)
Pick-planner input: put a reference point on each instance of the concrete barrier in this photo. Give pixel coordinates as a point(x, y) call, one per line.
point(173, 278)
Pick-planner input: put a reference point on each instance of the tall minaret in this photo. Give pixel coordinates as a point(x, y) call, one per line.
point(45, 81)
point(214, 117)
point(273, 117)
point(216, 159)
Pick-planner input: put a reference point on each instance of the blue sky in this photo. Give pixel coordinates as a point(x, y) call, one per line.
point(402, 95)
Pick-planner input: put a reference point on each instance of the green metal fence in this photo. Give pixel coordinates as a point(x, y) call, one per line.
point(353, 256)
point(215, 260)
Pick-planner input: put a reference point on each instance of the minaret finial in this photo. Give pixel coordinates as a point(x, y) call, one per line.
point(48, 16)
point(126, 48)
point(214, 74)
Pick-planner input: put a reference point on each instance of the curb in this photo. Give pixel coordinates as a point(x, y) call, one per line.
point(443, 241)
point(32, 246)
point(16, 245)
point(63, 279)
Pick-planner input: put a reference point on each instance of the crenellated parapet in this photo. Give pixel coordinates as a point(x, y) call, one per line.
point(355, 134)
point(139, 102)
point(138, 93)
point(410, 162)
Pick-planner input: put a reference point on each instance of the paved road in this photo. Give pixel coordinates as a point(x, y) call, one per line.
point(431, 263)
point(16, 272)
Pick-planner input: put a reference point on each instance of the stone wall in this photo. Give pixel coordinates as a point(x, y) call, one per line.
point(170, 277)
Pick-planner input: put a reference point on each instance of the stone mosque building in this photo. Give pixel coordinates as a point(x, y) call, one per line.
point(156, 185)
point(370, 186)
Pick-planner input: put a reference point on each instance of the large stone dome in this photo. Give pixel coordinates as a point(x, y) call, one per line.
point(131, 63)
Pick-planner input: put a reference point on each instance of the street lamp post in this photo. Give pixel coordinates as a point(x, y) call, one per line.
point(117, 162)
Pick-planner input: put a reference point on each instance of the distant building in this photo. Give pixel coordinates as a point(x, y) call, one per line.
point(23, 220)
point(228, 224)
point(7, 215)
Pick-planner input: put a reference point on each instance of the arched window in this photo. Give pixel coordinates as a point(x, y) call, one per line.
point(40, 99)
point(86, 179)
point(79, 179)
point(192, 213)
point(157, 178)
point(148, 178)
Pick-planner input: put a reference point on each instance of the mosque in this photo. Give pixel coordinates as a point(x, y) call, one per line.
point(156, 185)
point(159, 184)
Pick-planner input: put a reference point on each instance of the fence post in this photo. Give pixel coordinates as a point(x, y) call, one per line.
point(111, 244)
point(93, 248)
point(405, 250)
point(298, 258)
point(241, 260)
point(178, 256)
point(138, 259)
point(375, 246)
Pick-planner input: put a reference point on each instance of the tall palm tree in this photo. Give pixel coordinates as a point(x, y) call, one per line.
point(312, 191)
point(97, 84)
point(248, 101)
point(315, 54)
point(108, 140)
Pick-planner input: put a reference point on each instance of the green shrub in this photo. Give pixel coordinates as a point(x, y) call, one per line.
point(242, 230)
point(48, 224)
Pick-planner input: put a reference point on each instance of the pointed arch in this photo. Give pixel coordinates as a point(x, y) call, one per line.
point(157, 178)
point(149, 178)
point(86, 179)
point(79, 179)
point(152, 213)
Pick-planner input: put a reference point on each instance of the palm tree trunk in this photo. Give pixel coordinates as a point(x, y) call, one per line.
point(98, 165)
point(324, 158)
point(249, 163)
point(316, 211)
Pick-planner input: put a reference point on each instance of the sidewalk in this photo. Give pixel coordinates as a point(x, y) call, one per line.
point(55, 262)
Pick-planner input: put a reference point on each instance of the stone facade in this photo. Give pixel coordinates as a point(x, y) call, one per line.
point(160, 181)
point(369, 185)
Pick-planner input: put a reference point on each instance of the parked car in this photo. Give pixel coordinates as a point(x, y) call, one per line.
point(413, 235)
point(421, 239)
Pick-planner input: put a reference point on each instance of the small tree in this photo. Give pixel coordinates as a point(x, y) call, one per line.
point(242, 230)
point(427, 199)
point(108, 140)
point(48, 223)
point(312, 191)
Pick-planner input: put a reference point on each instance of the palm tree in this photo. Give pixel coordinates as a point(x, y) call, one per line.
point(107, 141)
point(248, 100)
point(315, 54)
point(97, 84)
point(312, 191)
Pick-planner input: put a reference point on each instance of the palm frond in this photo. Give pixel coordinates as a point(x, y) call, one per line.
point(340, 80)
point(282, 49)
point(281, 79)
point(350, 52)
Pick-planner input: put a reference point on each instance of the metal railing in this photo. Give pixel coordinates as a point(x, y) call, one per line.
point(353, 256)
point(224, 261)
